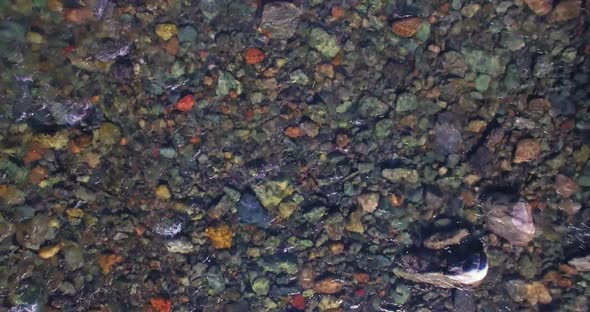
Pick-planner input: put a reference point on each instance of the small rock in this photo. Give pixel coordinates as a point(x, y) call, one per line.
point(581, 264)
point(253, 56)
point(186, 103)
point(527, 150)
point(220, 236)
point(260, 286)
point(355, 223)
point(569, 206)
point(167, 152)
point(73, 255)
point(227, 83)
point(6, 229)
point(368, 201)
point(406, 102)
point(565, 11)
point(454, 63)
point(510, 218)
point(280, 20)
point(251, 211)
point(442, 240)
point(306, 277)
point(470, 10)
point(181, 246)
point(565, 186)
point(399, 175)
point(50, 251)
point(540, 7)
point(406, 27)
point(162, 192)
point(324, 42)
point(34, 232)
point(187, 34)
point(11, 195)
point(78, 15)
point(106, 262)
point(370, 106)
point(165, 31)
point(328, 286)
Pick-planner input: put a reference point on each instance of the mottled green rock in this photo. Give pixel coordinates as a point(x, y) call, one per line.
point(261, 286)
point(398, 175)
point(299, 77)
point(226, 83)
point(423, 32)
point(483, 62)
point(272, 193)
point(315, 214)
point(324, 42)
point(73, 256)
point(482, 82)
point(168, 152)
point(406, 102)
point(370, 106)
point(383, 128)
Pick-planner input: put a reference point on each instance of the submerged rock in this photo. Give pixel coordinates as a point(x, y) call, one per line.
point(251, 211)
point(510, 217)
point(581, 264)
point(280, 20)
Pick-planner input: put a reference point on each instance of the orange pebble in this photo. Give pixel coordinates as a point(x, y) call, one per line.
point(253, 56)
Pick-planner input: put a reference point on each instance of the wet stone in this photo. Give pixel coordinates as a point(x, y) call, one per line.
point(510, 217)
point(369, 106)
point(399, 175)
point(34, 232)
point(406, 102)
point(73, 255)
point(325, 43)
point(280, 19)
point(250, 211)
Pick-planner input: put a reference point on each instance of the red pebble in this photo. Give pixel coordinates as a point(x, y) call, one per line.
point(298, 302)
point(186, 103)
point(359, 292)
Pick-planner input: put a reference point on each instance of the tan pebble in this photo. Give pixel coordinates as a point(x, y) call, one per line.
point(336, 248)
point(328, 286)
point(368, 201)
point(527, 150)
point(305, 278)
point(50, 251)
point(162, 192)
point(78, 15)
point(55, 5)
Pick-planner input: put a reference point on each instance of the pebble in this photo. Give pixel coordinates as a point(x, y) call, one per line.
point(260, 286)
point(280, 20)
point(510, 218)
point(581, 264)
point(78, 15)
point(106, 262)
point(565, 11)
point(50, 251)
point(162, 192)
point(73, 255)
point(368, 201)
point(181, 246)
point(540, 7)
point(565, 186)
point(328, 286)
point(399, 175)
point(406, 27)
point(253, 56)
point(470, 10)
point(6, 229)
point(220, 236)
point(406, 102)
point(250, 211)
point(325, 43)
point(165, 31)
point(355, 223)
point(11, 195)
point(527, 150)
point(186, 103)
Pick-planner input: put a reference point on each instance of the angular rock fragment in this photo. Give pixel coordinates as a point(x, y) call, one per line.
point(280, 20)
point(510, 217)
